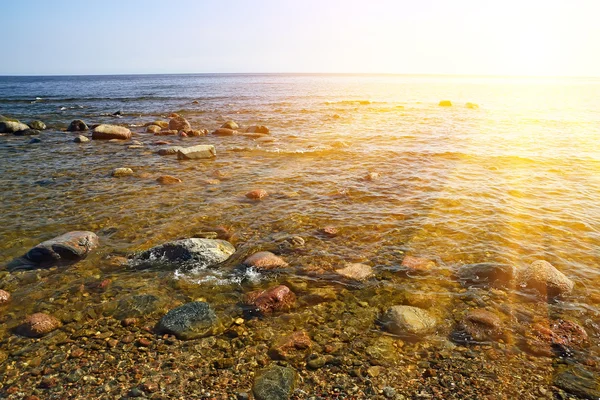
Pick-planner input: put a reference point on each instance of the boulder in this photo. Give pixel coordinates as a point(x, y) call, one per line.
point(200, 151)
point(545, 279)
point(38, 325)
point(168, 180)
point(153, 129)
point(179, 123)
point(265, 260)
point(277, 298)
point(37, 125)
point(487, 275)
point(257, 129)
point(274, 383)
point(355, 271)
point(81, 139)
point(224, 132)
point(108, 132)
point(12, 126)
point(72, 246)
point(77, 126)
point(408, 320)
point(27, 132)
point(4, 296)
point(230, 125)
point(119, 172)
point(199, 252)
point(169, 151)
point(257, 194)
point(445, 103)
point(190, 321)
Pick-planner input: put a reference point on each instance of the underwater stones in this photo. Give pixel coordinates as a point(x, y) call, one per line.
point(224, 132)
point(257, 194)
point(478, 325)
point(544, 338)
point(579, 382)
point(417, 264)
point(153, 129)
point(200, 252)
point(12, 126)
point(487, 274)
point(77, 126)
point(119, 172)
point(71, 246)
point(286, 346)
point(27, 132)
point(408, 320)
point(265, 260)
point(137, 306)
point(545, 279)
point(168, 180)
point(257, 129)
point(37, 125)
point(38, 325)
point(230, 125)
point(472, 106)
point(190, 321)
point(274, 383)
point(168, 151)
point(81, 139)
point(445, 103)
point(179, 123)
point(355, 271)
point(4, 296)
point(200, 151)
point(108, 132)
point(276, 298)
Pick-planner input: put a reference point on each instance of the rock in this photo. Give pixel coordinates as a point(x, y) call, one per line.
point(37, 125)
point(274, 383)
point(408, 320)
point(77, 126)
point(108, 132)
point(190, 321)
point(487, 274)
point(257, 194)
point(166, 132)
point(265, 260)
point(168, 151)
point(12, 126)
point(287, 345)
point(38, 325)
point(257, 129)
point(196, 152)
point(199, 252)
point(545, 279)
point(579, 382)
point(554, 336)
point(417, 264)
point(72, 246)
point(355, 271)
point(4, 296)
point(27, 132)
point(195, 102)
point(118, 172)
point(162, 124)
point(81, 139)
point(182, 134)
point(478, 326)
point(196, 133)
point(136, 306)
point(168, 180)
point(153, 129)
point(224, 132)
point(34, 141)
point(179, 123)
point(473, 106)
point(445, 103)
point(230, 125)
point(372, 176)
point(330, 231)
point(277, 298)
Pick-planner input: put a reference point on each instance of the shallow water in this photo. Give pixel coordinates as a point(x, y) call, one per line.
point(514, 181)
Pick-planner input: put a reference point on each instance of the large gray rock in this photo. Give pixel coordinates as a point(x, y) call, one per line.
point(190, 321)
point(196, 152)
point(408, 320)
point(274, 383)
point(108, 132)
point(545, 279)
point(196, 252)
point(12, 126)
point(77, 126)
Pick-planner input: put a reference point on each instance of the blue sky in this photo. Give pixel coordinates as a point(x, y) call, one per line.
point(526, 37)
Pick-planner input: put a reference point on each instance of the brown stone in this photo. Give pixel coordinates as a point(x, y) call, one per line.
point(277, 298)
point(161, 142)
point(372, 176)
point(182, 134)
point(77, 353)
point(153, 129)
point(166, 132)
point(179, 123)
point(356, 271)
point(4, 296)
point(168, 180)
point(265, 260)
point(38, 324)
point(482, 325)
point(109, 132)
point(542, 336)
point(257, 129)
point(286, 346)
point(224, 132)
point(257, 194)
point(162, 124)
point(129, 322)
point(329, 231)
point(417, 264)
point(71, 246)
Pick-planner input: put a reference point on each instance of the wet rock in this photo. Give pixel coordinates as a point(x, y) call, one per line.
point(487, 275)
point(179, 123)
point(37, 125)
point(579, 382)
point(356, 271)
point(108, 132)
point(81, 139)
point(559, 336)
point(417, 264)
point(196, 152)
point(166, 132)
point(34, 141)
point(330, 231)
point(230, 125)
point(27, 132)
point(38, 325)
point(372, 176)
point(545, 279)
point(197, 132)
point(473, 106)
point(285, 347)
point(136, 306)
point(168, 180)
point(77, 126)
point(478, 326)
point(4, 296)
point(190, 321)
point(277, 298)
point(119, 172)
point(168, 151)
point(224, 132)
point(162, 124)
point(407, 320)
point(195, 102)
point(197, 252)
point(257, 194)
point(265, 260)
point(182, 134)
point(153, 129)
point(445, 103)
point(257, 129)
point(274, 383)
point(12, 126)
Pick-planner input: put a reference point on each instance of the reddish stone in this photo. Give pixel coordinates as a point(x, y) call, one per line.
point(144, 342)
point(417, 264)
point(150, 387)
point(542, 336)
point(182, 134)
point(482, 325)
point(77, 353)
point(257, 194)
point(225, 132)
point(168, 180)
point(265, 260)
point(161, 142)
point(277, 298)
point(129, 322)
point(286, 346)
point(329, 231)
point(38, 324)
point(4, 296)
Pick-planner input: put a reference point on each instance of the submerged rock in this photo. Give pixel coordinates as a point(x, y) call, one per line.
point(417, 264)
point(137, 306)
point(559, 336)
point(34, 141)
point(478, 326)
point(168, 180)
point(230, 125)
point(487, 274)
point(81, 139)
point(12, 126)
point(257, 129)
point(265, 260)
point(190, 321)
point(38, 325)
point(118, 172)
point(200, 151)
point(445, 103)
point(168, 151)
point(257, 194)
point(153, 129)
point(108, 132)
point(77, 126)
point(277, 298)
point(224, 132)
point(179, 123)
point(287, 346)
point(199, 252)
point(27, 132)
point(274, 383)
point(579, 382)
point(545, 279)
point(408, 320)
point(4, 296)
point(37, 125)
point(356, 271)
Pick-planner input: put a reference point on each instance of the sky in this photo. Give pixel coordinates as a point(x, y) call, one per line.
point(467, 37)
